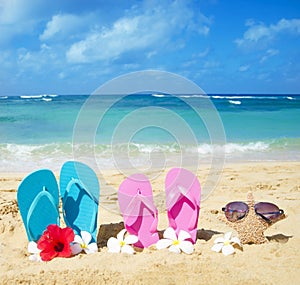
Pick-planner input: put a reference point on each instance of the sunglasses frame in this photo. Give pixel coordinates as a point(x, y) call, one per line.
point(279, 213)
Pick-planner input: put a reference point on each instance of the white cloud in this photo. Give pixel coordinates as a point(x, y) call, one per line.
point(259, 31)
point(202, 53)
point(269, 53)
point(151, 54)
point(18, 17)
point(12, 11)
point(287, 25)
point(61, 75)
point(65, 25)
point(35, 61)
point(138, 30)
point(24, 56)
point(264, 76)
point(6, 61)
point(204, 30)
point(196, 58)
point(190, 63)
point(211, 64)
point(125, 35)
point(131, 66)
point(243, 68)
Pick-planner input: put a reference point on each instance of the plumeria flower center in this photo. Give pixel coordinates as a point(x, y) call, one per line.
point(176, 243)
point(122, 243)
point(226, 244)
point(84, 242)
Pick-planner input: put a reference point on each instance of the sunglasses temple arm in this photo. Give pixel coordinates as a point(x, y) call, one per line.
point(272, 213)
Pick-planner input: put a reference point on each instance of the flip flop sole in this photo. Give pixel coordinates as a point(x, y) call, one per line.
point(137, 207)
point(79, 190)
point(38, 201)
point(183, 193)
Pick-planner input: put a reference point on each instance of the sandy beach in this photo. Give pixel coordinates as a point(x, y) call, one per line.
point(275, 262)
point(97, 91)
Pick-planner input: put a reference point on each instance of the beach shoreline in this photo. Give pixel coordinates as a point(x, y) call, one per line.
point(275, 262)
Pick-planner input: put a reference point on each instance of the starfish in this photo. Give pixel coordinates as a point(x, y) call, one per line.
point(251, 228)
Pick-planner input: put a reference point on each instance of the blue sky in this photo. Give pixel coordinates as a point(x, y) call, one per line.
point(74, 46)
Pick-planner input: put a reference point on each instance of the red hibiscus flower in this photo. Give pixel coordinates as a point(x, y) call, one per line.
point(55, 242)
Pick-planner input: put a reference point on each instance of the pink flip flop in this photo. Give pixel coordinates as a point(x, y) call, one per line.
point(183, 193)
point(139, 212)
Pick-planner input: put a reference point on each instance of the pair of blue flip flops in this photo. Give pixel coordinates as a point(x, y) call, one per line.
point(38, 200)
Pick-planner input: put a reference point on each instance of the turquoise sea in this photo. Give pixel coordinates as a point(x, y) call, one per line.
point(135, 130)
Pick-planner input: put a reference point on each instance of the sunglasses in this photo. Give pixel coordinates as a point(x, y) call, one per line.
point(235, 211)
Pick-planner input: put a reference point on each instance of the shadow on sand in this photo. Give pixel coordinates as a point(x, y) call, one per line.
point(111, 230)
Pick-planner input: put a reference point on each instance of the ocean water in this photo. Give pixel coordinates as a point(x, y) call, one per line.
point(144, 131)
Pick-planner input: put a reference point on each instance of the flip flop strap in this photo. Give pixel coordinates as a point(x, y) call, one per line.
point(134, 204)
point(85, 189)
point(174, 195)
point(82, 186)
point(34, 203)
point(173, 198)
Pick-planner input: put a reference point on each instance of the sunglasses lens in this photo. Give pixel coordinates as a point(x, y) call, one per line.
point(268, 210)
point(235, 211)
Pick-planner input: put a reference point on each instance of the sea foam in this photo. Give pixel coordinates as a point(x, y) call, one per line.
point(18, 157)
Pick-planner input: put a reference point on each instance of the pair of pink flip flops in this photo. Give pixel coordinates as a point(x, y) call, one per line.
point(140, 214)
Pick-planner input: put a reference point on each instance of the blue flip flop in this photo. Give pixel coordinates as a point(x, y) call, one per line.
point(79, 190)
point(38, 201)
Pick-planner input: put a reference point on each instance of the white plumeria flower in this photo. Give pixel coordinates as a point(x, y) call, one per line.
point(82, 242)
point(121, 244)
point(35, 252)
point(176, 244)
point(225, 244)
